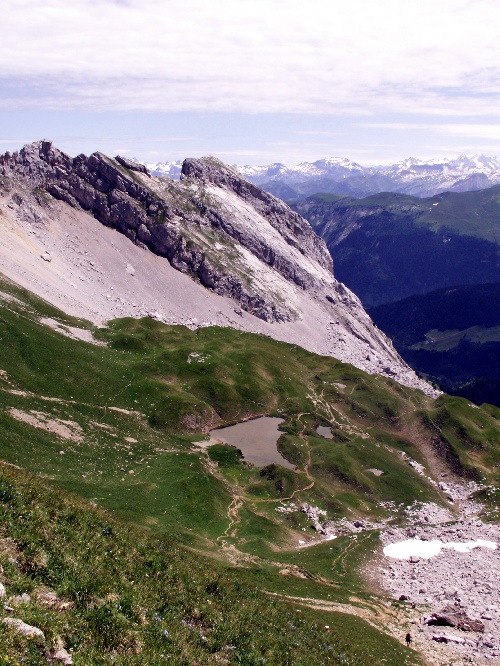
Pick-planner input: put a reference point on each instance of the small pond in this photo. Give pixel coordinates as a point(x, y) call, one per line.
point(324, 431)
point(256, 439)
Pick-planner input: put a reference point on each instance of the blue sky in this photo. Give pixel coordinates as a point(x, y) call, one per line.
point(252, 82)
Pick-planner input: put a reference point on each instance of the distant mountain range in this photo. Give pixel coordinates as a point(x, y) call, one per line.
point(339, 175)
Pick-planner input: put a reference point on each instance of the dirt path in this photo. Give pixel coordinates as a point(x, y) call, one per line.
point(376, 614)
point(233, 517)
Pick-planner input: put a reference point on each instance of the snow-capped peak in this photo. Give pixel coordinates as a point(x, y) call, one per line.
point(340, 175)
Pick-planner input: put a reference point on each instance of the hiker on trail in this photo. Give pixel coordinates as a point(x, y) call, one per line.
point(408, 639)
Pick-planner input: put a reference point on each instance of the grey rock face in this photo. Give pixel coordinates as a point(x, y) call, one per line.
point(214, 226)
point(163, 219)
point(293, 228)
point(130, 164)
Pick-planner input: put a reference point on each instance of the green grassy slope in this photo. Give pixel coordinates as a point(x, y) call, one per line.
point(111, 594)
point(131, 410)
point(118, 425)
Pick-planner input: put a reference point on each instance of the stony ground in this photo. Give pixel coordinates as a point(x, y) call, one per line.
point(461, 588)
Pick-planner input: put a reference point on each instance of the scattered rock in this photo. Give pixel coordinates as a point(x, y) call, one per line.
point(21, 627)
point(450, 593)
point(448, 638)
point(461, 587)
point(375, 471)
point(20, 599)
point(62, 656)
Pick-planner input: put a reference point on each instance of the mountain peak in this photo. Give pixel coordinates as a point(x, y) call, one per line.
point(340, 176)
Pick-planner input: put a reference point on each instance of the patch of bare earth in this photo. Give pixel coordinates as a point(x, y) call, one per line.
point(66, 429)
point(71, 331)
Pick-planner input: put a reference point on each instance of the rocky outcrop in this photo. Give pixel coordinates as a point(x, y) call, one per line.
point(454, 616)
point(235, 240)
point(120, 195)
point(291, 226)
point(20, 627)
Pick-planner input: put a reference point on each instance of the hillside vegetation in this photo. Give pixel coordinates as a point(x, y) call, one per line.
point(108, 593)
point(452, 336)
point(446, 240)
point(120, 425)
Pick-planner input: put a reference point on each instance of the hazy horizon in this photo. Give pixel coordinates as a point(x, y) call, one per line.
point(253, 82)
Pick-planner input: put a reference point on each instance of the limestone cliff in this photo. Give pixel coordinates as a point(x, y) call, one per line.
point(223, 232)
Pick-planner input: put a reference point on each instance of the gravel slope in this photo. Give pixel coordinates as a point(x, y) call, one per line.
point(460, 583)
point(93, 272)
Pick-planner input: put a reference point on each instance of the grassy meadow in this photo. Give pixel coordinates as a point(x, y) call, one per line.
point(197, 539)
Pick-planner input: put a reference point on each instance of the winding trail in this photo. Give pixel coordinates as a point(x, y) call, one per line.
point(376, 614)
point(233, 516)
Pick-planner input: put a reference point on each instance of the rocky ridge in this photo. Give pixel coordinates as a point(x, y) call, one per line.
point(222, 232)
point(112, 192)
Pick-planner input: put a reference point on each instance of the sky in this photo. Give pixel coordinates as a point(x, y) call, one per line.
point(252, 82)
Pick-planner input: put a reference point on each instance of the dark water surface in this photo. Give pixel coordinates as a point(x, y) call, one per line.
point(324, 431)
point(256, 439)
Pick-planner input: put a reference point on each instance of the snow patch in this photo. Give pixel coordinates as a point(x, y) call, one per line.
point(404, 550)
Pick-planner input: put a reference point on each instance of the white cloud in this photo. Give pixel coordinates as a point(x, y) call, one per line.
point(463, 130)
point(285, 56)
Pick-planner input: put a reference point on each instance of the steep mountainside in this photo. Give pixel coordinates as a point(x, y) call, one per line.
point(449, 239)
point(241, 257)
point(452, 336)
